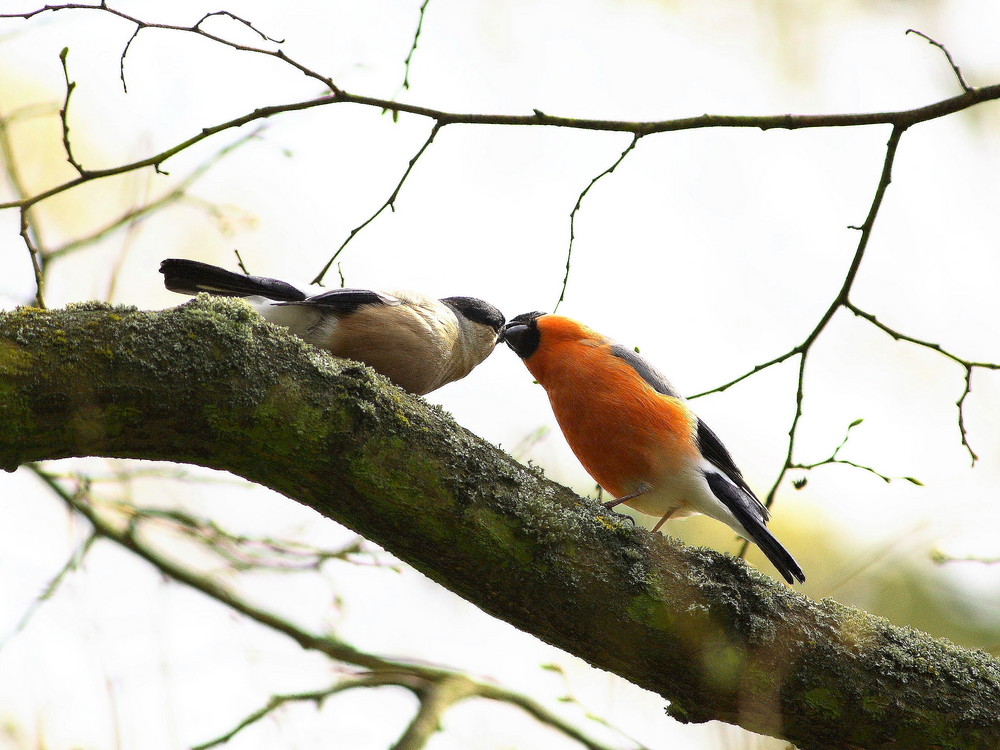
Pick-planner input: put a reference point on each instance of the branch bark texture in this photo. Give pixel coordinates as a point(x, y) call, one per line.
point(210, 384)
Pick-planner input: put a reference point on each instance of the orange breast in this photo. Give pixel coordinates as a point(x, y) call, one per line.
point(622, 431)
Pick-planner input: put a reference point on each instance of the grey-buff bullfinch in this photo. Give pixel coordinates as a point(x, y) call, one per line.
point(635, 435)
point(419, 343)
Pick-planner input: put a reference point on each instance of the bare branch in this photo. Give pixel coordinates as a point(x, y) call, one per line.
point(753, 371)
point(73, 563)
point(841, 300)
point(430, 683)
point(179, 192)
point(436, 696)
point(389, 203)
point(435, 700)
point(277, 701)
point(28, 230)
point(961, 415)
point(27, 234)
point(238, 19)
point(413, 47)
point(955, 69)
point(64, 113)
point(834, 458)
point(121, 60)
point(542, 714)
point(902, 118)
point(842, 297)
point(196, 29)
point(252, 553)
point(967, 365)
point(157, 159)
point(576, 208)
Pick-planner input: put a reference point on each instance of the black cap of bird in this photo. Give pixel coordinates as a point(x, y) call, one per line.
point(419, 343)
point(635, 435)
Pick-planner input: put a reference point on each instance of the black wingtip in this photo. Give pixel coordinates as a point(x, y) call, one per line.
point(192, 276)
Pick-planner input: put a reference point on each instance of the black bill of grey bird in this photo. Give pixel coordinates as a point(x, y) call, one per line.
point(419, 343)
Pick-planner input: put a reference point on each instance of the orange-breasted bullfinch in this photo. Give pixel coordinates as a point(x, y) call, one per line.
point(636, 435)
point(419, 343)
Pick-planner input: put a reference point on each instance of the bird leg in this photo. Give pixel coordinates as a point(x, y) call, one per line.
point(624, 499)
point(664, 519)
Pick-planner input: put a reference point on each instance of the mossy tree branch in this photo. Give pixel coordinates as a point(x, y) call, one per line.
point(210, 384)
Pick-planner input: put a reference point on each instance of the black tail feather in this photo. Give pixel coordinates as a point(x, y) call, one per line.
point(751, 516)
point(191, 276)
point(780, 558)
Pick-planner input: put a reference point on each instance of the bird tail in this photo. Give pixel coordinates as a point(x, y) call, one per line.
point(752, 516)
point(191, 276)
point(780, 558)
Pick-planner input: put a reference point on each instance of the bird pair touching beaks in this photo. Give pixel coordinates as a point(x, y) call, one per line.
point(631, 430)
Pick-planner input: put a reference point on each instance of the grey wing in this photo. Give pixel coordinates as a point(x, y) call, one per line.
point(656, 379)
point(347, 301)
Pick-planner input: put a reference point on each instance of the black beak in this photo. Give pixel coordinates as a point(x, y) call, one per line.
point(522, 338)
point(510, 333)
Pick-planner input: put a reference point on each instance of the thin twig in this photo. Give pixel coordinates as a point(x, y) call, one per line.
point(966, 364)
point(390, 203)
point(576, 208)
point(157, 160)
point(238, 19)
point(35, 253)
point(793, 428)
point(569, 697)
point(64, 114)
point(252, 553)
point(752, 371)
point(955, 69)
point(413, 47)
point(843, 295)
point(29, 231)
point(240, 263)
point(177, 193)
point(961, 415)
point(73, 563)
point(195, 29)
point(834, 458)
point(277, 701)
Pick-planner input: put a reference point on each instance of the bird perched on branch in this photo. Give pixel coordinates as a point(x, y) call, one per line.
point(419, 343)
point(635, 435)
